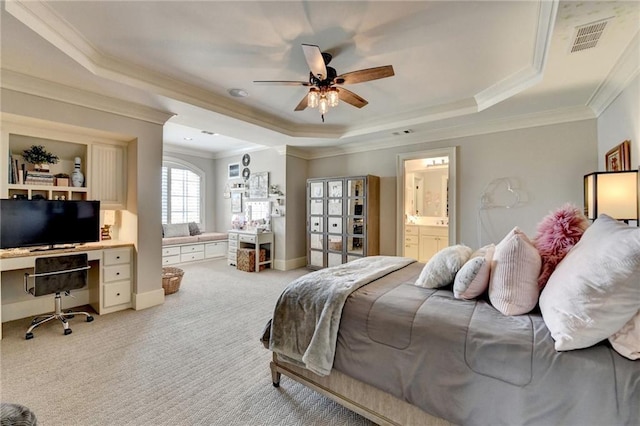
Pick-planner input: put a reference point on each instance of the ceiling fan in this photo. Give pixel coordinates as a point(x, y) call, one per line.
point(323, 80)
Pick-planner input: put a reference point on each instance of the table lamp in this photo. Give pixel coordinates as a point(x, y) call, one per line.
point(109, 219)
point(612, 193)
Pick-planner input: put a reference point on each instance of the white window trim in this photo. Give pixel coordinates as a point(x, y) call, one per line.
point(173, 161)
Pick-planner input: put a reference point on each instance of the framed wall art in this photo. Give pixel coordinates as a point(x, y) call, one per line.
point(236, 202)
point(619, 158)
point(259, 185)
point(234, 170)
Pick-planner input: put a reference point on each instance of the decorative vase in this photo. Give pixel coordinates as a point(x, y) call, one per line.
point(77, 178)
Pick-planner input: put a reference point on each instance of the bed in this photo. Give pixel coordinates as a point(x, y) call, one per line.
point(411, 355)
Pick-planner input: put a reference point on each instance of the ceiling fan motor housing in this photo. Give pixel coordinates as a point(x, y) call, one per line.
point(331, 75)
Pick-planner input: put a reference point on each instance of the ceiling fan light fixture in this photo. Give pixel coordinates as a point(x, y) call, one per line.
point(323, 105)
point(314, 98)
point(332, 95)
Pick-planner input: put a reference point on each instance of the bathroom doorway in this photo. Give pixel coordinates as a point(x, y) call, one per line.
point(426, 189)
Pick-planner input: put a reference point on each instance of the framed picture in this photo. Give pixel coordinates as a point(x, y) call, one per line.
point(619, 158)
point(236, 202)
point(259, 185)
point(234, 170)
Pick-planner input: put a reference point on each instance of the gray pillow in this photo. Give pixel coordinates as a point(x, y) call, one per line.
point(194, 229)
point(176, 230)
point(442, 268)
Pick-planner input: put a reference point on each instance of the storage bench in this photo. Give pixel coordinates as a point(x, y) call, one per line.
point(208, 245)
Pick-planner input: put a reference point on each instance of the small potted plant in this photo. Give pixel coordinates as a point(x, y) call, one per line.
point(39, 157)
point(62, 179)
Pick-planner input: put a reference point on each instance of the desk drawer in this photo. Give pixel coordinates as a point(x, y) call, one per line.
point(116, 273)
point(247, 239)
point(233, 236)
point(170, 251)
point(117, 293)
point(188, 257)
point(233, 243)
point(191, 248)
point(117, 256)
point(170, 260)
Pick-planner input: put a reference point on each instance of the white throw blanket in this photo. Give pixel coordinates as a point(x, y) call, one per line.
point(305, 322)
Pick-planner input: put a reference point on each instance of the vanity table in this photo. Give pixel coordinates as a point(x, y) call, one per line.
point(241, 239)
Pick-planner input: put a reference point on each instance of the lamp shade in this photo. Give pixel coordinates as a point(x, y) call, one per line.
point(109, 217)
point(612, 193)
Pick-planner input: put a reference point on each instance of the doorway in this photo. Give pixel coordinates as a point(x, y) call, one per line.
point(426, 188)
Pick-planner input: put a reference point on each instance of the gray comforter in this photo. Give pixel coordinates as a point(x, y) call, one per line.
point(307, 315)
point(466, 362)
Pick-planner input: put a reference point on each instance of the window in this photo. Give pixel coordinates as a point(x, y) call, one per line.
point(182, 192)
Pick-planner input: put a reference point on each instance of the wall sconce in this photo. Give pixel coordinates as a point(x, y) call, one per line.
point(109, 219)
point(612, 193)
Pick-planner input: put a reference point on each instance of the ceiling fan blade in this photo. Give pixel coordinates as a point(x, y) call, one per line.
point(314, 58)
point(303, 103)
point(351, 98)
point(283, 83)
point(365, 75)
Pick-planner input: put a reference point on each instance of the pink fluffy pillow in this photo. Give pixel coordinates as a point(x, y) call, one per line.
point(557, 233)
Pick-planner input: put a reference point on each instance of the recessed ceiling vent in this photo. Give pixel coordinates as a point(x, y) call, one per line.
point(587, 36)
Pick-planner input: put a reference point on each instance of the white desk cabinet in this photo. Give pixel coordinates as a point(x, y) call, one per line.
point(115, 288)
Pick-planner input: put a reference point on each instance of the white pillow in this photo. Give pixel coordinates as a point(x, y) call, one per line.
point(627, 340)
point(473, 278)
point(595, 290)
point(441, 269)
point(176, 230)
point(513, 285)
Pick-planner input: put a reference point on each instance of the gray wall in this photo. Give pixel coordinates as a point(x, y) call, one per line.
point(619, 122)
point(144, 158)
point(545, 163)
point(267, 160)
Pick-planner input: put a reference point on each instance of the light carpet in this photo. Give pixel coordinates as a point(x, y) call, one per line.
point(195, 360)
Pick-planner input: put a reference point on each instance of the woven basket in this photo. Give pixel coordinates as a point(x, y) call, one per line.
point(171, 279)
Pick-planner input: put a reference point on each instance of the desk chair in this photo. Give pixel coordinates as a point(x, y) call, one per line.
point(56, 275)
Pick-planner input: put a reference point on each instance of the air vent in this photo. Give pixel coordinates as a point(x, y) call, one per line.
point(587, 36)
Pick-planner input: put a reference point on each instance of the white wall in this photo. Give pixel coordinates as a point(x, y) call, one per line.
point(620, 122)
point(545, 163)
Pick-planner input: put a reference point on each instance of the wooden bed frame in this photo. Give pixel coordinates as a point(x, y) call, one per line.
point(366, 400)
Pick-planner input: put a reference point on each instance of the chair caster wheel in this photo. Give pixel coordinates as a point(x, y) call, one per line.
point(276, 385)
point(67, 331)
point(89, 318)
point(28, 336)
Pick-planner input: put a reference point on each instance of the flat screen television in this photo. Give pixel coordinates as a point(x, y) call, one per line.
point(31, 223)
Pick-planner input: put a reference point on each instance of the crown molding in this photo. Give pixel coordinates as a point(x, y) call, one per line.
point(623, 72)
point(168, 148)
point(529, 76)
point(42, 19)
point(472, 129)
point(18, 82)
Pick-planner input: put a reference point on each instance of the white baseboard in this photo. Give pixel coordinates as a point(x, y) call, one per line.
point(287, 265)
point(148, 299)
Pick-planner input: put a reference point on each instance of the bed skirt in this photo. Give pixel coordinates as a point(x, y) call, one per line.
point(372, 403)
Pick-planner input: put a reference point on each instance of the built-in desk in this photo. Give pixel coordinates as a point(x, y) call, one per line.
point(109, 289)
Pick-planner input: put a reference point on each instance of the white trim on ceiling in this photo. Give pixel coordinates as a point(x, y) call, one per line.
point(625, 69)
point(42, 19)
point(485, 127)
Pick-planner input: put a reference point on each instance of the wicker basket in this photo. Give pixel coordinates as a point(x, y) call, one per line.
point(171, 279)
